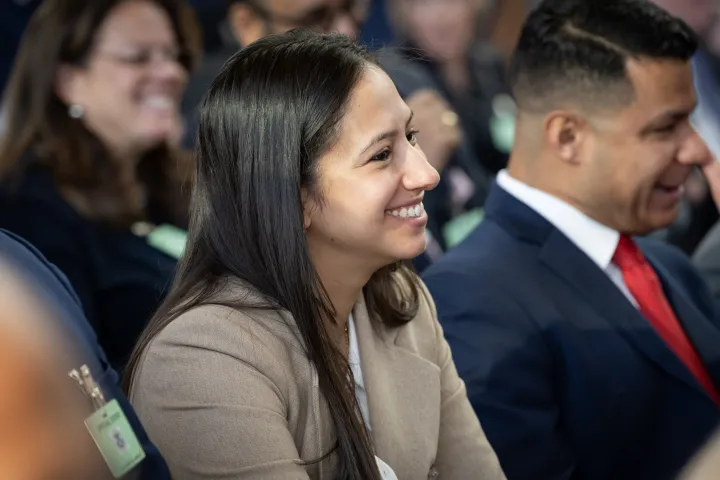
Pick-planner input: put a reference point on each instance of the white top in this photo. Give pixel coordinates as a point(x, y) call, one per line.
point(386, 472)
point(596, 240)
point(354, 361)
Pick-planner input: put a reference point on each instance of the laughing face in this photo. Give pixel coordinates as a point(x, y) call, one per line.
point(641, 155)
point(373, 180)
point(131, 86)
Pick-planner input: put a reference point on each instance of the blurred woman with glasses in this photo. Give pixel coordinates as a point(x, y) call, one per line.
point(88, 155)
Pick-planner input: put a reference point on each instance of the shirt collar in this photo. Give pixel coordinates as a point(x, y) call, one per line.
point(596, 240)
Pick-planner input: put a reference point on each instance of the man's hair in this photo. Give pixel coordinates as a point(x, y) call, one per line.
point(576, 50)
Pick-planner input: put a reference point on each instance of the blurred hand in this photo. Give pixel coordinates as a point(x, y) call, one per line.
point(439, 126)
point(42, 434)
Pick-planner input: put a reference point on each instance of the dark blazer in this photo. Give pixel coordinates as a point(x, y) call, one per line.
point(119, 278)
point(567, 378)
point(55, 290)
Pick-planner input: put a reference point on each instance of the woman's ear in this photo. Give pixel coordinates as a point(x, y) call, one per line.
point(65, 84)
point(307, 206)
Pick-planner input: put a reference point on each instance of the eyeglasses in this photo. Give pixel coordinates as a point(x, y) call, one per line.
point(145, 57)
point(323, 17)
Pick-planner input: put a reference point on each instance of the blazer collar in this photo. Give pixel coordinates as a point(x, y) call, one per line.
point(515, 217)
point(403, 389)
point(403, 392)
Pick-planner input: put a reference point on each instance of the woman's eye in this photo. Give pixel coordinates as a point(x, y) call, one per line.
point(381, 156)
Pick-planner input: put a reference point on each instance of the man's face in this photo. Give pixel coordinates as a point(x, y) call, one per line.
point(637, 158)
point(255, 19)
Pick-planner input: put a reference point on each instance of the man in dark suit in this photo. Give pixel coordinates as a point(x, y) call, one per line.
point(585, 356)
point(56, 293)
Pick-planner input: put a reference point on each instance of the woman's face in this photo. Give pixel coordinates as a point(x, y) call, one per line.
point(443, 29)
point(372, 182)
point(131, 88)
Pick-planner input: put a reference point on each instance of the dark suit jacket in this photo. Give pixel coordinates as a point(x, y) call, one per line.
point(119, 278)
point(567, 378)
point(54, 289)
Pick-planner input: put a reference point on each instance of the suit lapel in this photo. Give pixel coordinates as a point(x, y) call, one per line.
point(593, 285)
point(702, 333)
point(588, 281)
point(403, 392)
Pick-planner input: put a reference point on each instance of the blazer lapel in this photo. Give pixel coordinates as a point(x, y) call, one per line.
point(593, 285)
point(702, 332)
point(403, 392)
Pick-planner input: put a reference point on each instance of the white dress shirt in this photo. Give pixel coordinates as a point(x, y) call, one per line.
point(594, 239)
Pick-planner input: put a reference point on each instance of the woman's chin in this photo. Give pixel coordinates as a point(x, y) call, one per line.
point(412, 249)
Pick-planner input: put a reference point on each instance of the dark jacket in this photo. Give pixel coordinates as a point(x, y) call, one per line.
point(119, 278)
point(56, 291)
point(569, 380)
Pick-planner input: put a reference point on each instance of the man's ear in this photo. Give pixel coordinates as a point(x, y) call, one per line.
point(565, 132)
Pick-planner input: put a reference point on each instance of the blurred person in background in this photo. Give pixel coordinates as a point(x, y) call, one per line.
point(296, 343)
point(249, 20)
point(444, 38)
point(43, 336)
point(89, 157)
point(440, 50)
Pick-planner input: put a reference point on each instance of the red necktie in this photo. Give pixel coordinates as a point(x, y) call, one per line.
point(645, 287)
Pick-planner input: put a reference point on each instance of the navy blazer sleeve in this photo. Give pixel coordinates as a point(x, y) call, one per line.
point(54, 287)
point(507, 368)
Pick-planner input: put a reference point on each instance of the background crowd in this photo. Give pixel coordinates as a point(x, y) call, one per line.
point(98, 124)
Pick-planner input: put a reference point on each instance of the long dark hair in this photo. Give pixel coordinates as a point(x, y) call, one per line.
point(273, 110)
point(37, 122)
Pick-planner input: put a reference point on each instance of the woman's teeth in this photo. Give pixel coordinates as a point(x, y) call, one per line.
point(407, 212)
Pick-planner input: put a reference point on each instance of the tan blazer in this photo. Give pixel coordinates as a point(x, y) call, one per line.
point(706, 463)
point(229, 394)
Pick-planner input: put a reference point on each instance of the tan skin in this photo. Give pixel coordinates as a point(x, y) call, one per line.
point(42, 434)
point(375, 167)
point(624, 165)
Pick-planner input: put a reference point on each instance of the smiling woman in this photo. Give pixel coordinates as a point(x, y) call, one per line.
point(295, 341)
point(90, 149)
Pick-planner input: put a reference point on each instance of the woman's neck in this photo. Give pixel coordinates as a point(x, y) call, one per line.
point(343, 279)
